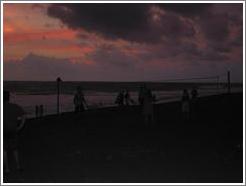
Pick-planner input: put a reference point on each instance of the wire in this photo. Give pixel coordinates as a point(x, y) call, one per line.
point(185, 79)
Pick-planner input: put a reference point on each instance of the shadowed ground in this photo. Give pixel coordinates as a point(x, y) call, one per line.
point(113, 145)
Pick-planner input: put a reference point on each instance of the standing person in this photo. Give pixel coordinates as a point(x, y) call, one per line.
point(37, 111)
point(194, 95)
point(148, 110)
point(120, 99)
point(79, 100)
point(13, 122)
point(127, 98)
point(41, 110)
point(141, 95)
point(185, 104)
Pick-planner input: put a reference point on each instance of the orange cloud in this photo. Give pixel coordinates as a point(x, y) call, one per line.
point(65, 50)
point(8, 29)
point(11, 37)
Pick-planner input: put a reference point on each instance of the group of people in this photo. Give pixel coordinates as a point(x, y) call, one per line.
point(124, 98)
point(14, 115)
point(145, 100)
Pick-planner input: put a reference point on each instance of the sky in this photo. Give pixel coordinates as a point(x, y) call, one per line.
point(122, 42)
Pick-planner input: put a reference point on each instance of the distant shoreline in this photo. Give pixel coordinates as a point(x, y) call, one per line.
point(115, 107)
point(70, 86)
point(157, 81)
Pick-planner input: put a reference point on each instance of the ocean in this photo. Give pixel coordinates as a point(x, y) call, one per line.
point(28, 94)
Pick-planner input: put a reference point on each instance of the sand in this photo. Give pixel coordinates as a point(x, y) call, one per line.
point(113, 145)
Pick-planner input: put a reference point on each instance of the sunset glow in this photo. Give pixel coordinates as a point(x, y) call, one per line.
point(167, 41)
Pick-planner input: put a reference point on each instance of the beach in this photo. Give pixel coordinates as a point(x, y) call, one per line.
point(112, 145)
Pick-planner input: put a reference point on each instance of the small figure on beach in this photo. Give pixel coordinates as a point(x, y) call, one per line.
point(127, 98)
point(120, 99)
point(194, 95)
point(13, 122)
point(141, 95)
point(37, 111)
point(148, 109)
point(185, 104)
point(79, 100)
point(41, 110)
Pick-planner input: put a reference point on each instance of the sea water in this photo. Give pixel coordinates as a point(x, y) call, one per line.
point(97, 95)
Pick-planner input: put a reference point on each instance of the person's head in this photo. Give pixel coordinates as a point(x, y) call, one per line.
point(6, 96)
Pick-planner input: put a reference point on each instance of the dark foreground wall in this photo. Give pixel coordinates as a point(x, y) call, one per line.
point(114, 145)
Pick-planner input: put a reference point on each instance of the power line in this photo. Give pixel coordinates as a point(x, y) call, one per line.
point(193, 78)
point(185, 79)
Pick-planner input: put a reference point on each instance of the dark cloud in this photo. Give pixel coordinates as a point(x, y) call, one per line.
point(108, 15)
point(153, 23)
point(210, 55)
point(37, 6)
point(134, 22)
point(110, 20)
point(215, 27)
point(186, 9)
point(190, 32)
point(173, 27)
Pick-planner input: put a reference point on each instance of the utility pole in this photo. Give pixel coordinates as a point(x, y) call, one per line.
point(228, 82)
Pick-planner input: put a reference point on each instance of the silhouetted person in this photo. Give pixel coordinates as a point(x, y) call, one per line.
point(79, 100)
point(41, 110)
point(185, 104)
point(128, 98)
point(120, 99)
point(37, 111)
point(13, 122)
point(194, 95)
point(148, 110)
point(141, 95)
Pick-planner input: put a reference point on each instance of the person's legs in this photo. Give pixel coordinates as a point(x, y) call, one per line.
point(5, 161)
